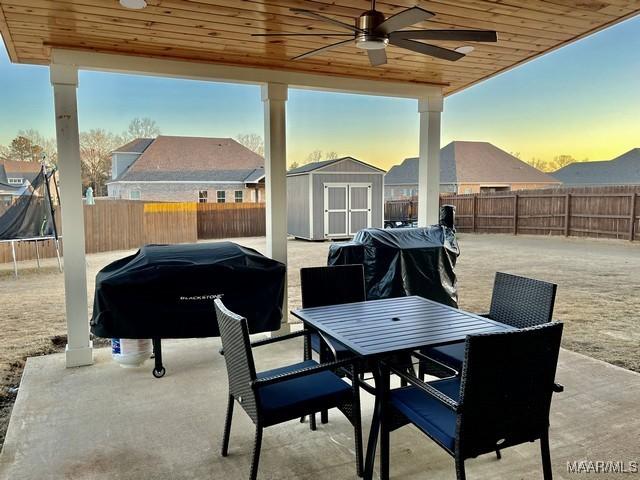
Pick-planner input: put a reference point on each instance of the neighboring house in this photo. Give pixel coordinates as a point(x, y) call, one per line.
point(187, 169)
point(622, 170)
point(469, 167)
point(334, 198)
point(16, 179)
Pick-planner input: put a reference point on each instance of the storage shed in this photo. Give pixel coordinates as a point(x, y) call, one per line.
point(334, 199)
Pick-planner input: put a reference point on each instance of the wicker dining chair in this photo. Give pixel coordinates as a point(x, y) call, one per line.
point(501, 399)
point(276, 396)
point(516, 301)
point(331, 285)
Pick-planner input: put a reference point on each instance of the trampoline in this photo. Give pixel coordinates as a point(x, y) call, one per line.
point(31, 217)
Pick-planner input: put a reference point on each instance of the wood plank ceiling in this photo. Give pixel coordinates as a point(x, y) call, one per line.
point(219, 31)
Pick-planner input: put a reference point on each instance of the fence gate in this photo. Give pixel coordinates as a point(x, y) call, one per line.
point(347, 208)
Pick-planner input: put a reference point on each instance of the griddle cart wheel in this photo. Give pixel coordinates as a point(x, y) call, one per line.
point(158, 369)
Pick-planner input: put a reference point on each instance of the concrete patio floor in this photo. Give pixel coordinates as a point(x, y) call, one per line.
point(105, 422)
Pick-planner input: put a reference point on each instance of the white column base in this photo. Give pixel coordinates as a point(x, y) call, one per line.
point(79, 357)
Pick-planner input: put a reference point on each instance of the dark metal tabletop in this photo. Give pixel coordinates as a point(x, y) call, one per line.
point(395, 324)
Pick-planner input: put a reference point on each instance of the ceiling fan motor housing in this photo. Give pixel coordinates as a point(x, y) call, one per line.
point(368, 22)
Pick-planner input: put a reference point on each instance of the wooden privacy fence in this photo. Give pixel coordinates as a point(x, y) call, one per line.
point(121, 225)
point(229, 220)
point(599, 212)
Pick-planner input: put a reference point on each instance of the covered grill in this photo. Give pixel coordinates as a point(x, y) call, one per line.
point(167, 291)
point(405, 261)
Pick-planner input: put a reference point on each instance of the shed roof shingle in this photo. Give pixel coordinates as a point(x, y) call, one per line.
point(309, 167)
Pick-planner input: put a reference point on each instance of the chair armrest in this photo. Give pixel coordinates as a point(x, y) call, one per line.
point(267, 341)
point(261, 382)
point(448, 402)
point(558, 388)
point(280, 338)
point(422, 356)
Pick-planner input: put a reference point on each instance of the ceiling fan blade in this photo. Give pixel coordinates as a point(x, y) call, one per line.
point(426, 49)
point(460, 35)
point(406, 18)
point(317, 16)
point(321, 49)
point(377, 57)
point(302, 34)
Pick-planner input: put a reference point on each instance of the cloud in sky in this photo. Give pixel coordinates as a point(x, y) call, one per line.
point(582, 100)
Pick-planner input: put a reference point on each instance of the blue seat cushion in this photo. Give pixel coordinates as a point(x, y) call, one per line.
point(451, 355)
point(342, 351)
point(300, 396)
point(428, 414)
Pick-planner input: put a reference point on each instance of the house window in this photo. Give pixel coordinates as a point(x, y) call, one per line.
point(202, 196)
point(134, 195)
point(221, 196)
point(239, 196)
point(467, 191)
point(15, 181)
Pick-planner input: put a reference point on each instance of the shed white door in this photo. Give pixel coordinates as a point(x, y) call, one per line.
point(347, 208)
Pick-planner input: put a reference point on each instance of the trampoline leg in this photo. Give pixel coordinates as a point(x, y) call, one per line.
point(13, 254)
point(58, 255)
point(158, 369)
point(37, 254)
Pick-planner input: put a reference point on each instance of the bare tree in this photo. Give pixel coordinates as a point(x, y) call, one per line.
point(23, 149)
point(540, 164)
point(516, 154)
point(252, 141)
point(47, 146)
point(331, 155)
point(5, 153)
point(314, 156)
point(141, 128)
point(95, 152)
point(561, 161)
point(293, 165)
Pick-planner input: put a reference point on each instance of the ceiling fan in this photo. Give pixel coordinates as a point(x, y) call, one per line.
point(373, 32)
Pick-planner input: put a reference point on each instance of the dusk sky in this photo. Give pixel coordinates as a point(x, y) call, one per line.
point(582, 100)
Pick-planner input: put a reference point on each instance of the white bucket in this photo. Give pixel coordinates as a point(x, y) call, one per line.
point(130, 353)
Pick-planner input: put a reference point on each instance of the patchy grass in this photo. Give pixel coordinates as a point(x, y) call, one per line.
point(597, 298)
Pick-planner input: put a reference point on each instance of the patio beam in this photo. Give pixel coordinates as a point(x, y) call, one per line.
point(64, 79)
point(162, 67)
point(430, 110)
point(274, 97)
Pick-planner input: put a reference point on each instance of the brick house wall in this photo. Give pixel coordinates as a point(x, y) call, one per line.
point(182, 192)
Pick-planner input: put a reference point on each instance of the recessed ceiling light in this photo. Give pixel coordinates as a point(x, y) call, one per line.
point(465, 49)
point(133, 4)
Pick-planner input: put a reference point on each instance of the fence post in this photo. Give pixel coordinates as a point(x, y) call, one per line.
point(515, 214)
point(632, 219)
point(567, 214)
point(473, 213)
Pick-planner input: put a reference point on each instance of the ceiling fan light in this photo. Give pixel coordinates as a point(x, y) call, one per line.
point(372, 43)
point(465, 49)
point(133, 4)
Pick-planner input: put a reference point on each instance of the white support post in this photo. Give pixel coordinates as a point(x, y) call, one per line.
point(274, 96)
point(64, 79)
point(430, 109)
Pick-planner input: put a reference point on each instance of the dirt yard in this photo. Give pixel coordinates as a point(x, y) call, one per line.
point(598, 284)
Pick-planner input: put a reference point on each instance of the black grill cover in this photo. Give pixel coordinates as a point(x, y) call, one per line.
point(167, 291)
point(404, 261)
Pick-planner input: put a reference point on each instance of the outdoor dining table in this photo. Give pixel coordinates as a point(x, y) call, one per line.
point(375, 330)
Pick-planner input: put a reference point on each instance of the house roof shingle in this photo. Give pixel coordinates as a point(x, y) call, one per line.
point(137, 145)
point(622, 170)
point(472, 162)
point(169, 158)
